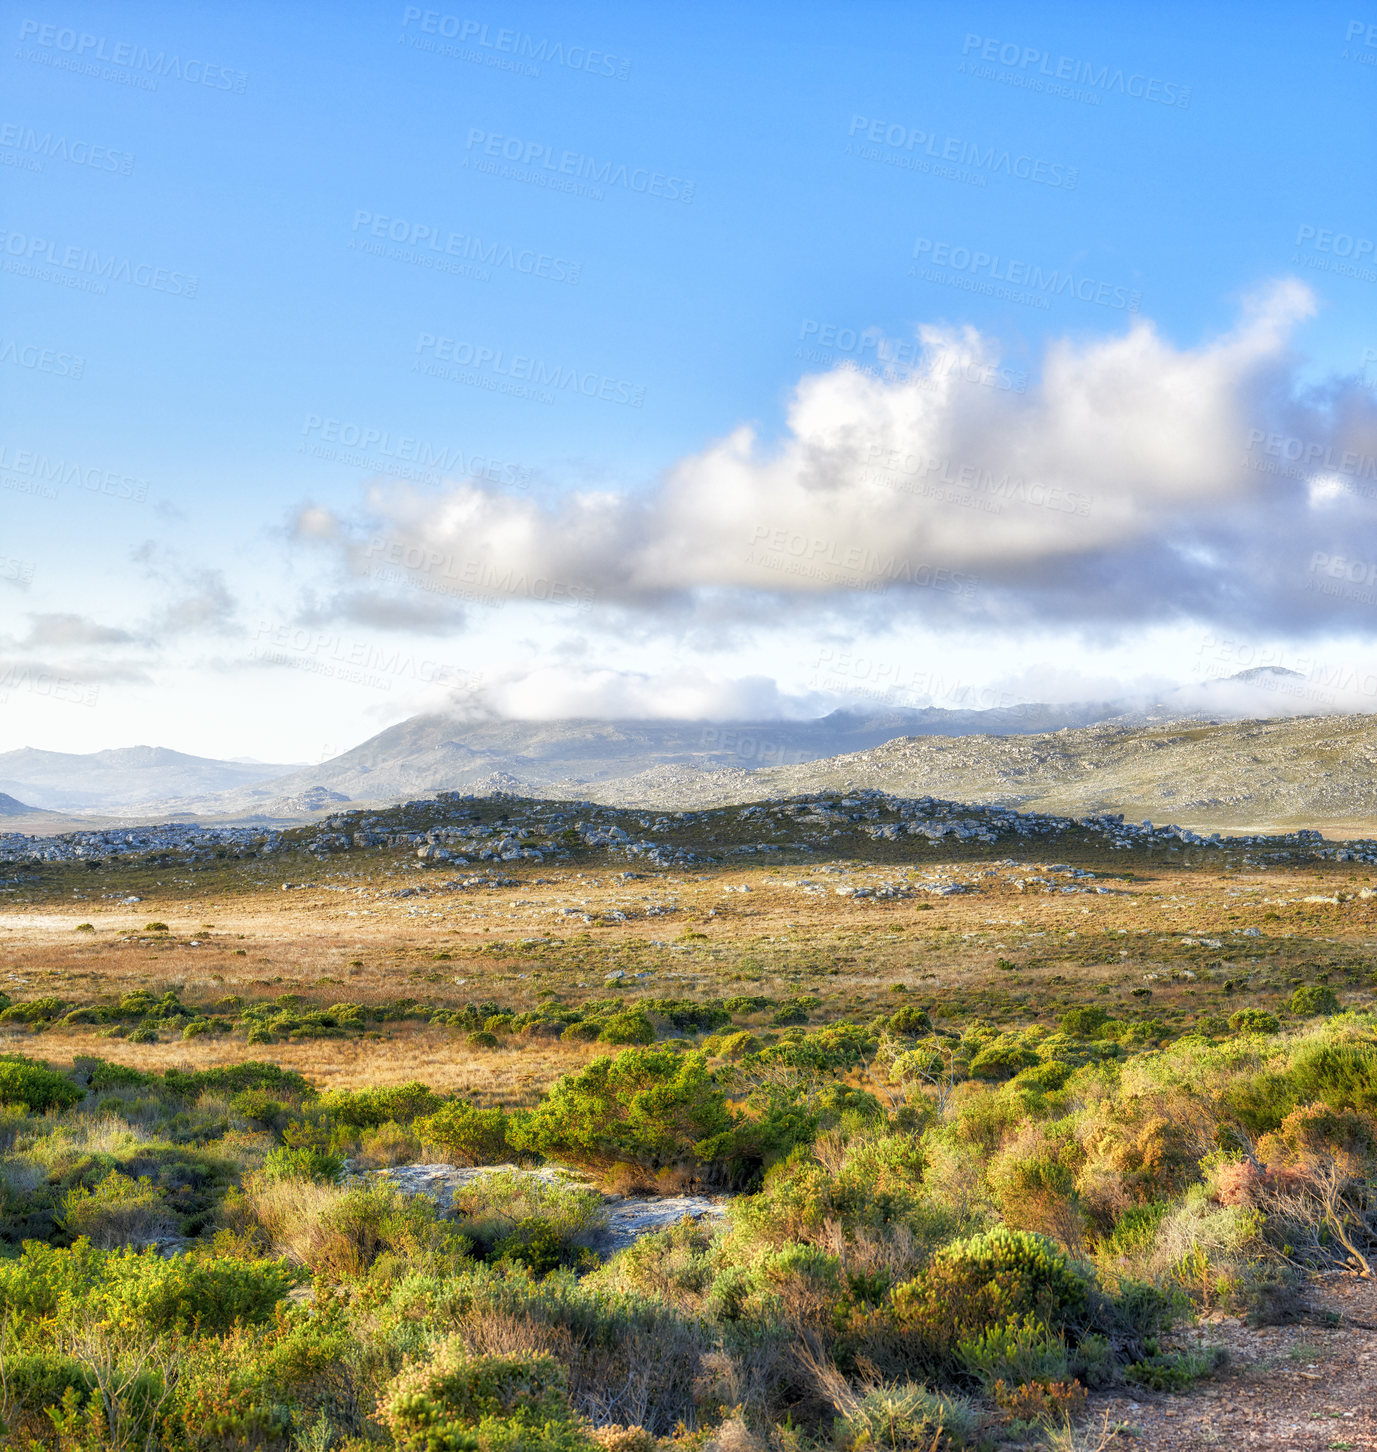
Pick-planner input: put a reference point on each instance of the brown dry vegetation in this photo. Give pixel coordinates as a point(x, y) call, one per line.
point(1169, 946)
point(258, 942)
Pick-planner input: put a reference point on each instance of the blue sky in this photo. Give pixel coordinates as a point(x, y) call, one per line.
point(779, 191)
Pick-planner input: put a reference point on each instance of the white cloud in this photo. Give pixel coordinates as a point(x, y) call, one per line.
point(1130, 480)
point(68, 629)
point(554, 692)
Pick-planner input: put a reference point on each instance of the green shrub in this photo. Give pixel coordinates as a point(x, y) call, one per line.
point(835, 1049)
point(458, 1403)
point(126, 1287)
point(43, 1378)
point(1175, 1371)
point(905, 1417)
point(36, 1086)
point(971, 1285)
point(627, 1028)
point(1341, 1075)
point(237, 1078)
point(1254, 1021)
point(118, 1211)
point(484, 1039)
point(647, 1105)
point(305, 1162)
point(1135, 1228)
point(1016, 1351)
point(106, 1075)
point(33, 1010)
point(582, 1031)
point(1002, 1060)
point(464, 1135)
point(744, 1003)
point(734, 1045)
point(910, 1020)
point(368, 1108)
point(1313, 999)
point(1046, 1077)
point(687, 1014)
point(840, 1102)
point(535, 1244)
point(522, 1219)
point(347, 1015)
point(1084, 1022)
point(261, 1108)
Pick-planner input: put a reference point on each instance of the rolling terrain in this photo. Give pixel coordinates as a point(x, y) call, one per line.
point(1238, 775)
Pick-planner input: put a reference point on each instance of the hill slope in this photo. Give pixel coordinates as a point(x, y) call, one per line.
point(426, 754)
point(120, 779)
point(1302, 771)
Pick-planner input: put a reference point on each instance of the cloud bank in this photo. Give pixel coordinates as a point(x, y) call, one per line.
point(1130, 481)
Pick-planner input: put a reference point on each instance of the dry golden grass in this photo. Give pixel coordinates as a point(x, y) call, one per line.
point(445, 948)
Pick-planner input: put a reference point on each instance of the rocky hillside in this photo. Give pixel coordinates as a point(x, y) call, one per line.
point(575, 757)
point(1306, 771)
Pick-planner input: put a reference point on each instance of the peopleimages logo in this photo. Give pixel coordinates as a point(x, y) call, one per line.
point(539, 158)
point(1032, 60)
point(41, 359)
point(502, 42)
point(917, 146)
point(430, 237)
point(405, 455)
point(27, 255)
point(990, 268)
point(61, 472)
point(26, 144)
point(1342, 253)
point(81, 51)
point(535, 372)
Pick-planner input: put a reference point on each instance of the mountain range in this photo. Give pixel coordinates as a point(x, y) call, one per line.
point(581, 757)
point(124, 779)
point(1170, 759)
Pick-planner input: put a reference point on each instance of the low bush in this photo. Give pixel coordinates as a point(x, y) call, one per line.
point(1312, 999)
point(35, 1086)
point(462, 1135)
point(461, 1403)
point(1254, 1021)
point(1002, 1060)
point(34, 1010)
point(1175, 1371)
point(127, 1288)
point(1001, 1278)
point(118, 1211)
point(627, 1028)
point(910, 1020)
point(305, 1162)
point(654, 1107)
point(905, 1417)
point(368, 1108)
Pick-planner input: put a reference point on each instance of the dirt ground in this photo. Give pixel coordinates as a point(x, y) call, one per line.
point(1311, 1385)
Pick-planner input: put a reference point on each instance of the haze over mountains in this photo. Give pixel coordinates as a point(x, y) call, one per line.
point(127, 778)
point(1203, 769)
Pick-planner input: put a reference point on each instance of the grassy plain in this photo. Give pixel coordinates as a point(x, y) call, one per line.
point(1169, 943)
point(1028, 1138)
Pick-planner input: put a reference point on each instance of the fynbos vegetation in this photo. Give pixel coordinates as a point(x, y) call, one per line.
point(956, 1166)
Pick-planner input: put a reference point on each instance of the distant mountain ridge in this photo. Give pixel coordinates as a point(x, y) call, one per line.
point(11, 808)
point(431, 753)
point(124, 778)
point(1079, 758)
